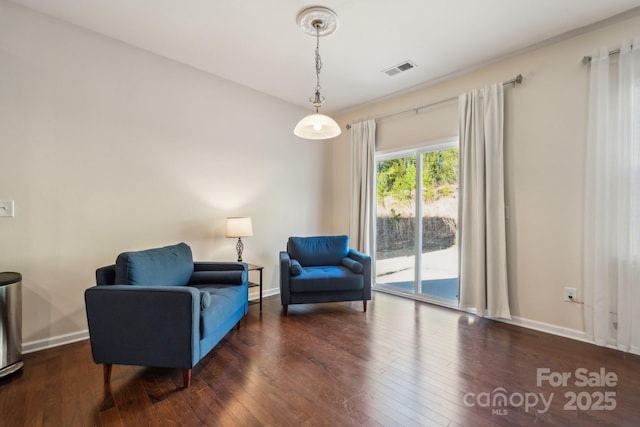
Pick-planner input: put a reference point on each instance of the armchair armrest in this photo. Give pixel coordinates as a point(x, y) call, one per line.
point(219, 273)
point(285, 288)
point(144, 325)
point(365, 260)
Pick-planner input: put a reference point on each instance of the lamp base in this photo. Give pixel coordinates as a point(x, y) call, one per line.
point(239, 249)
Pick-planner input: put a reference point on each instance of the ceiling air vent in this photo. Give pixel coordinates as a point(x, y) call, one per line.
point(406, 65)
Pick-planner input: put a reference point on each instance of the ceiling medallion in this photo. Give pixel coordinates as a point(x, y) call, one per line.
point(318, 18)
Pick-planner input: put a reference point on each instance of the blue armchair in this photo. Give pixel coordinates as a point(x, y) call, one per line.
point(159, 308)
point(323, 269)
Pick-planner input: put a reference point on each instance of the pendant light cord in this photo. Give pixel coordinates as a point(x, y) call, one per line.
point(318, 100)
point(318, 59)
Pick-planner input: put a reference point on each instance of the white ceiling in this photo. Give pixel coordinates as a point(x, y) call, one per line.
point(257, 42)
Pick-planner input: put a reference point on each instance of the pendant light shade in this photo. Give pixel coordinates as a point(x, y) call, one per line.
point(317, 126)
point(317, 21)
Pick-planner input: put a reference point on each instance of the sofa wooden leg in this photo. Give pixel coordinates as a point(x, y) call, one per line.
point(107, 373)
point(286, 310)
point(364, 305)
point(186, 378)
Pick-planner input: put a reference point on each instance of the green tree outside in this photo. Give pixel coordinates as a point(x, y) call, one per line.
point(396, 177)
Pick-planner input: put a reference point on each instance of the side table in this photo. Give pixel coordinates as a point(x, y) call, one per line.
point(258, 268)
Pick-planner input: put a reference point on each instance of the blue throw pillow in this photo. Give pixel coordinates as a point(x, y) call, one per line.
point(352, 265)
point(295, 269)
point(168, 266)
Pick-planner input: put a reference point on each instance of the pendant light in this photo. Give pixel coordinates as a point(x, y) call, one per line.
point(317, 21)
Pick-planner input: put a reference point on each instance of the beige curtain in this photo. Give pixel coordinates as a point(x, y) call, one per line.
point(483, 254)
point(611, 267)
point(363, 149)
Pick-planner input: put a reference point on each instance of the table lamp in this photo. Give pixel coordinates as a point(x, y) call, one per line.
point(239, 226)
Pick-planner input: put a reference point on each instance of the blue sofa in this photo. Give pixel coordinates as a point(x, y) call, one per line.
point(159, 308)
point(323, 269)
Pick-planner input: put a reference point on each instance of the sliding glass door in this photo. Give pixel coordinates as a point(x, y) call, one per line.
point(395, 223)
point(416, 237)
point(439, 250)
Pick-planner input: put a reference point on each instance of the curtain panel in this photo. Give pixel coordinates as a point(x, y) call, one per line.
point(483, 253)
point(611, 263)
point(363, 150)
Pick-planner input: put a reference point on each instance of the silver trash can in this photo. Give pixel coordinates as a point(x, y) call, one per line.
point(10, 323)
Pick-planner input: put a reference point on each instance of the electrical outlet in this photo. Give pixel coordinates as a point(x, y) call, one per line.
point(570, 294)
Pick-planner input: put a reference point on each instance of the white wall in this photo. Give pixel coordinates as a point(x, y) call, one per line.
point(545, 136)
point(107, 148)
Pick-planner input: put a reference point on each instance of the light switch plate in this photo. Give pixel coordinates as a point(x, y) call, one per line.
point(6, 208)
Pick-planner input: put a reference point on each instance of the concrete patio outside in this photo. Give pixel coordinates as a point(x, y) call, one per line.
point(439, 273)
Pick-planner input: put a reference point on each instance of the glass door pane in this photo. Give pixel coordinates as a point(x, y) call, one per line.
point(439, 263)
point(395, 223)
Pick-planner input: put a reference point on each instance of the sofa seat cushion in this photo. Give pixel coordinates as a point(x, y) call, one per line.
point(225, 300)
point(326, 278)
point(167, 266)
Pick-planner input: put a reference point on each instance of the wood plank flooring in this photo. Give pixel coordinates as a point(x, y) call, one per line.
point(403, 363)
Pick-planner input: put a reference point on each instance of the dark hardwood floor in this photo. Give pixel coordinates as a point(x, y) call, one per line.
point(402, 363)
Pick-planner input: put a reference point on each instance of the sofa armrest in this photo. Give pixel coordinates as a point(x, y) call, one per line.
point(285, 275)
point(365, 260)
point(219, 273)
point(106, 275)
point(144, 325)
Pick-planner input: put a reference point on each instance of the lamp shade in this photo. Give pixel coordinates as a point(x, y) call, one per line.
point(317, 126)
point(239, 226)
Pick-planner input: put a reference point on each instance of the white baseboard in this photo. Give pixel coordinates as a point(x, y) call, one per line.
point(520, 321)
point(265, 293)
point(31, 346)
point(548, 328)
point(563, 332)
point(43, 344)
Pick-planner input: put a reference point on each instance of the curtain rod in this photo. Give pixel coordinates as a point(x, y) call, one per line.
point(587, 59)
point(517, 80)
